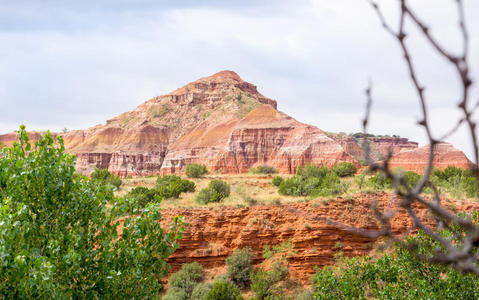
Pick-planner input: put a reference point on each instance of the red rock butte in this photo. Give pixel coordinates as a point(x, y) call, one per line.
point(224, 122)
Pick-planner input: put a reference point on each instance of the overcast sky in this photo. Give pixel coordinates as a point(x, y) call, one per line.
point(75, 64)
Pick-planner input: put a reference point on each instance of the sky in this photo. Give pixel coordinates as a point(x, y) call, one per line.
point(74, 64)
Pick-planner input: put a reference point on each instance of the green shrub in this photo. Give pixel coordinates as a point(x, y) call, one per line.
point(283, 247)
point(277, 180)
point(221, 189)
point(142, 195)
point(196, 170)
point(183, 282)
point(205, 196)
point(344, 169)
point(264, 284)
point(201, 290)
point(238, 267)
point(105, 177)
point(449, 172)
point(379, 182)
point(292, 186)
point(223, 290)
point(457, 181)
point(171, 186)
point(59, 235)
point(175, 294)
point(397, 275)
point(216, 191)
point(263, 169)
point(164, 109)
point(312, 181)
point(309, 171)
point(411, 178)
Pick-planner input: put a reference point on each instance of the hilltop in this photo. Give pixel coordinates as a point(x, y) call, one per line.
point(224, 122)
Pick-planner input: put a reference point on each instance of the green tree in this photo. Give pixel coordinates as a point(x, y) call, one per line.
point(239, 266)
point(397, 275)
point(265, 284)
point(223, 290)
point(216, 191)
point(171, 186)
point(105, 177)
point(196, 170)
point(344, 169)
point(184, 281)
point(60, 239)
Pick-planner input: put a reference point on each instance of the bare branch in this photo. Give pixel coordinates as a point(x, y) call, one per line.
point(460, 251)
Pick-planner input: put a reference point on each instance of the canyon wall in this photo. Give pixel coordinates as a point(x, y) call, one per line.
point(212, 234)
point(444, 155)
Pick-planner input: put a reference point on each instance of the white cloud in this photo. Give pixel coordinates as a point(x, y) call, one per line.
point(77, 65)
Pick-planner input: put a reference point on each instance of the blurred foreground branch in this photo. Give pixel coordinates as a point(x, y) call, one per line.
point(460, 249)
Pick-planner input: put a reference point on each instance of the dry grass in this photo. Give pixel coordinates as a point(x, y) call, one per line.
point(250, 189)
point(246, 190)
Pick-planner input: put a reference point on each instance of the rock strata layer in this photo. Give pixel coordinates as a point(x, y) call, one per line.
point(212, 235)
point(444, 155)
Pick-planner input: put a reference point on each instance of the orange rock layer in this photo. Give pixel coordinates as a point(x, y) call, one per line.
point(444, 155)
point(212, 235)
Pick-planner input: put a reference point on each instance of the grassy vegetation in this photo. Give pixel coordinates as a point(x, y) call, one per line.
point(105, 177)
point(163, 110)
point(216, 191)
point(263, 169)
point(315, 181)
point(59, 235)
point(196, 170)
point(456, 181)
point(396, 275)
point(246, 103)
point(251, 189)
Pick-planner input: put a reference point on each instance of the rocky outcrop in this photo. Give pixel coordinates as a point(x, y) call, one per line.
point(444, 155)
point(136, 142)
point(124, 151)
point(219, 120)
point(223, 122)
point(8, 138)
point(211, 235)
point(379, 146)
point(264, 136)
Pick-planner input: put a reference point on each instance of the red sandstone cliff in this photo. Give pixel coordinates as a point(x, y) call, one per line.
point(211, 235)
point(264, 136)
point(380, 146)
point(219, 120)
point(223, 122)
point(416, 160)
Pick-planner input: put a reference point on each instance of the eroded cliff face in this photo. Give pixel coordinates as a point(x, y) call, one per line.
point(225, 123)
point(212, 235)
point(380, 146)
point(264, 136)
point(444, 155)
point(8, 138)
point(136, 142)
point(220, 120)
